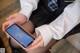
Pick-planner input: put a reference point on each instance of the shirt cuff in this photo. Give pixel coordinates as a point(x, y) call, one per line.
point(45, 32)
point(27, 10)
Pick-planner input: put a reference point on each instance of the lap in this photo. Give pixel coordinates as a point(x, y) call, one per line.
point(28, 26)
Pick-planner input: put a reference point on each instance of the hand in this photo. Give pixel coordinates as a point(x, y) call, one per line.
point(37, 43)
point(15, 18)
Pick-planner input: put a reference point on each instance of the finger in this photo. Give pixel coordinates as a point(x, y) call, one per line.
point(11, 23)
point(7, 35)
point(11, 17)
point(40, 44)
point(37, 40)
point(4, 26)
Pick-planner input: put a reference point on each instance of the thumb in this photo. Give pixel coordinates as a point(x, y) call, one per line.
point(37, 40)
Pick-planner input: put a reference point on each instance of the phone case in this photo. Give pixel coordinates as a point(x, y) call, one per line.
point(19, 35)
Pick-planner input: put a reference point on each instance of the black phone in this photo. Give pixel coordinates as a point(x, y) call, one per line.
point(20, 35)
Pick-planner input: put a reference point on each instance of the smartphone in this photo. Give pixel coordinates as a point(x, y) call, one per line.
point(20, 35)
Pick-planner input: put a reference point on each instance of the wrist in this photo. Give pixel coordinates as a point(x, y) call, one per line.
point(26, 18)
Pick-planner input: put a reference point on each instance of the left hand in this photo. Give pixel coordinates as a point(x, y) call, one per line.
point(37, 43)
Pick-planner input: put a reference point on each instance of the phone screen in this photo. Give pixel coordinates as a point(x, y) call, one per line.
point(20, 35)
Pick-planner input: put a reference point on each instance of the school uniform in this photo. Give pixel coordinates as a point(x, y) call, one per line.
point(45, 14)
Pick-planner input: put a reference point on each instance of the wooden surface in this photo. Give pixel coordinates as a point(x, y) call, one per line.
point(63, 46)
point(7, 7)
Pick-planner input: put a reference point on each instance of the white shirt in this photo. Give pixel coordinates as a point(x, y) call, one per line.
point(27, 6)
point(62, 25)
point(58, 28)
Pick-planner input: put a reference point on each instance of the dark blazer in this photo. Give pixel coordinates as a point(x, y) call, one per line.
point(43, 15)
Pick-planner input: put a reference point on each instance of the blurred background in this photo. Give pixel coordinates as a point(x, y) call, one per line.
point(7, 7)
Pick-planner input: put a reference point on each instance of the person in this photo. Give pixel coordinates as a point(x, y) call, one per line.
point(27, 6)
point(59, 27)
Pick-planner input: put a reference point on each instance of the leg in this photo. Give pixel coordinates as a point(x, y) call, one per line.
point(28, 26)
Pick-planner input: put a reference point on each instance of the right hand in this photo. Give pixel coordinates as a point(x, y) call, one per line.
point(14, 18)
